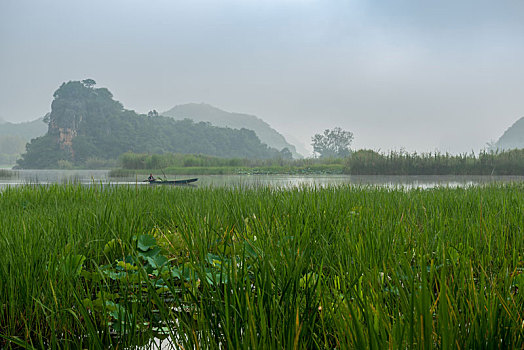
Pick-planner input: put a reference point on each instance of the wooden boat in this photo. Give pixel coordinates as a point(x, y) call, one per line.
point(171, 182)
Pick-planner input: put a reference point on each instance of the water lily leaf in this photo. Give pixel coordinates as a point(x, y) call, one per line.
point(163, 289)
point(112, 306)
point(176, 273)
point(150, 253)
point(119, 314)
point(161, 332)
point(115, 275)
point(157, 261)
point(214, 259)
point(145, 242)
point(160, 283)
point(211, 278)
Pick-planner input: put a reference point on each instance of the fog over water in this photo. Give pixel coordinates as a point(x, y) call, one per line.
point(407, 74)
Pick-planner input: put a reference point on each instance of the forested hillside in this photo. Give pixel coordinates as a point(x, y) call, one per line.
point(203, 112)
point(85, 123)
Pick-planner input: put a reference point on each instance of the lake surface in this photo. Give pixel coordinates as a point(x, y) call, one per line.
point(97, 177)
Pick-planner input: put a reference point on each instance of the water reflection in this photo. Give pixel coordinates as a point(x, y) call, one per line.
point(43, 177)
point(90, 177)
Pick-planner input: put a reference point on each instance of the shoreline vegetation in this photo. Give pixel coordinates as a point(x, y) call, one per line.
point(8, 174)
point(308, 268)
point(361, 162)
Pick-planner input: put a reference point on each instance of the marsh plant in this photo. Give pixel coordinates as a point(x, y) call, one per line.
point(336, 267)
point(368, 162)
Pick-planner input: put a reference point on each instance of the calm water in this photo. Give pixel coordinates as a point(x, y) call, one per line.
point(90, 177)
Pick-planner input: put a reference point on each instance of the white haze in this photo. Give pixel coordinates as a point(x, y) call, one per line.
point(409, 74)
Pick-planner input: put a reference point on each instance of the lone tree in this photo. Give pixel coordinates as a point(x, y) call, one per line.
point(332, 143)
point(285, 153)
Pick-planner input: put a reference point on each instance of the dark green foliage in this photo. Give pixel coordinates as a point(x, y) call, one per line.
point(333, 143)
point(201, 112)
point(368, 162)
point(42, 152)
point(101, 128)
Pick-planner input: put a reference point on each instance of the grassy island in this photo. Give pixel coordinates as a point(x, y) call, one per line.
point(336, 267)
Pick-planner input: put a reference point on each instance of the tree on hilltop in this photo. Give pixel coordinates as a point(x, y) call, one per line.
point(89, 83)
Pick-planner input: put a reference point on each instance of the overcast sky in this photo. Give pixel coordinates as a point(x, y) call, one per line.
point(413, 74)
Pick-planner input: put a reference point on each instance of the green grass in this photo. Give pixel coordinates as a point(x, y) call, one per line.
point(336, 267)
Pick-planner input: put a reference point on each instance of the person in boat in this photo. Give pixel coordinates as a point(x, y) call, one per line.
point(151, 177)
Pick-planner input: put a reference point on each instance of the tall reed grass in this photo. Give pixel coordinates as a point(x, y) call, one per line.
point(368, 162)
point(336, 267)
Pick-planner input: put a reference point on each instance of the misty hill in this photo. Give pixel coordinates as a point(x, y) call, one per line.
point(27, 130)
point(513, 137)
point(300, 146)
point(85, 123)
point(13, 138)
point(201, 112)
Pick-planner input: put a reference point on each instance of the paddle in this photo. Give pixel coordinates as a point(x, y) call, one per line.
point(165, 177)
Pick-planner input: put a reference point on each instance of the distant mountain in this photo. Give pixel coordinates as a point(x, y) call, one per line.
point(85, 123)
point(14, 137)
point(513, 137)
point(201, 112)
point(27, 130)
point(299, 145)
